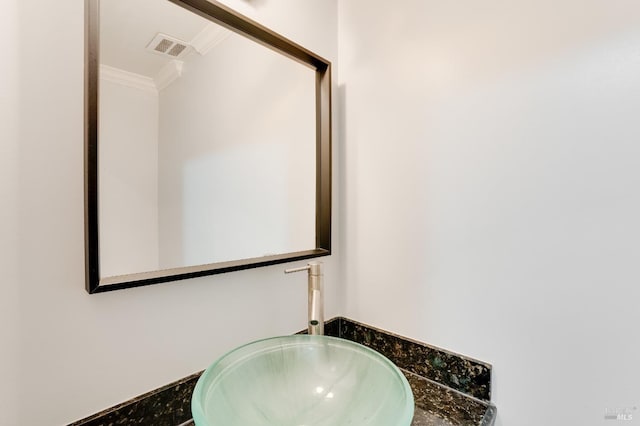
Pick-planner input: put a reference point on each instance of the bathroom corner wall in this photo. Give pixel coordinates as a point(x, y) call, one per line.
point(491, 196)
point(9, 149)
point(80, 353)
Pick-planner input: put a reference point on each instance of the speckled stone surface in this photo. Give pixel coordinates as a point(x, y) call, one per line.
point(169, 405)
point(450, 369)
point(438, 405)
point(449, 389)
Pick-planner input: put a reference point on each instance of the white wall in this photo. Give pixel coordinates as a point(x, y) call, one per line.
point(489, 207)
point(128, 179)
point(9, 154)
point(81, 353)
point(491, 191)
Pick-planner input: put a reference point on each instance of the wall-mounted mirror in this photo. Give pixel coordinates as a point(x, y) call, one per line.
point(208, 144)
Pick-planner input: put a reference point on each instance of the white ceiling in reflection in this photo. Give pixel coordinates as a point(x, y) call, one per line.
point(127, 27)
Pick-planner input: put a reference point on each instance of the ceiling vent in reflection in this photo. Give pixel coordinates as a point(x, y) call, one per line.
point(168, 46)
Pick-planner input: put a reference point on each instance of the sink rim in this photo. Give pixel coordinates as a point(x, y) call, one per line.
point(405, 414)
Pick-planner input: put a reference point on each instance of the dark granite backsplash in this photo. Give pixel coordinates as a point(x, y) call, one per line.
point(448, 389)
point(169, 405)
point(455, 371)
point(437, 405)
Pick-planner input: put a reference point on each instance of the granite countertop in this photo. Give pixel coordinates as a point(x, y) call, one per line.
point(436, 405)
point(449, 389)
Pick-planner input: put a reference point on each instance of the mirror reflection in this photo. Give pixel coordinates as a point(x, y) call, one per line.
point(207, 143)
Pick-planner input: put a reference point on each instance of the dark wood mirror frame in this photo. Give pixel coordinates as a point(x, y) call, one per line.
point(242, 25)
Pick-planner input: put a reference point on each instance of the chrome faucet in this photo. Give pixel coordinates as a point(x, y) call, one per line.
point(316, 296)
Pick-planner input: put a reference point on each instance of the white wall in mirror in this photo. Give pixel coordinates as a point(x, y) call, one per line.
point(129, 196)
point(212, 157)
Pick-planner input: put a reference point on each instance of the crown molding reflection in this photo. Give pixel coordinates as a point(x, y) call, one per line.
point(129, 79)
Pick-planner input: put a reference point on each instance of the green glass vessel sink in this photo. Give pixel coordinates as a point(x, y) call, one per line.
point(302, 381)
